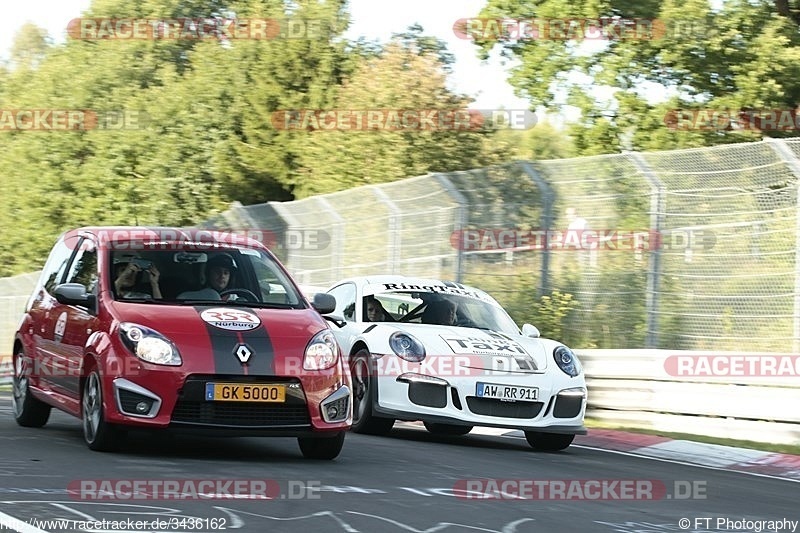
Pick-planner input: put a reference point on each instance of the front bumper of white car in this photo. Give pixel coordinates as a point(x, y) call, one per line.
point(560, 405)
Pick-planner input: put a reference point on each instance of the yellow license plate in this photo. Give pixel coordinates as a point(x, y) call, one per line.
point(240, 392)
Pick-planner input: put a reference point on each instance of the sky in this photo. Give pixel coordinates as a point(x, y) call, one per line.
point(372, 19)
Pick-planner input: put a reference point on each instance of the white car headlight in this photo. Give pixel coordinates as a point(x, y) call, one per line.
point(149, 345)
point(407, 347)
point(322, 352)
point(567, 361)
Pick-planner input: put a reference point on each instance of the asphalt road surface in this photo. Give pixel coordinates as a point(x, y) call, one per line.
point(410, 481)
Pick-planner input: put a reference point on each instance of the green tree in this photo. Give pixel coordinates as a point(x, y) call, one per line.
point(30, 46)
point(410, 73)
point(730, 56)
point(204, 139)
point(276, 76)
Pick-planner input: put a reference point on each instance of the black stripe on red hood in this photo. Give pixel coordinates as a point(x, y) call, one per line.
point(225, 342)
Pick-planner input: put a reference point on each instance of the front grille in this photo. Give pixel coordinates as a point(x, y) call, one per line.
point(240, 414)
point(568, 406)
point(193, 408)
point(427, 394)
point(489, 407)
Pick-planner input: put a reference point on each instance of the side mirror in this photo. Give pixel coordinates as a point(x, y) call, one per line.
point(530, 330)
point(75, 294)
point(324, 303)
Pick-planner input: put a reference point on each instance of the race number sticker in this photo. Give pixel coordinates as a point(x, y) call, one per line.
point(231, 319)
point(61, 327)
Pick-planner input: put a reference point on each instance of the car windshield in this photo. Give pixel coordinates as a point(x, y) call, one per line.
point(227, 275)
point(444, 309)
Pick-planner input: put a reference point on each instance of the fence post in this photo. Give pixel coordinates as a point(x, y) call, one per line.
point(336, 252)
point(460, 221)
point(654, 271)
point(290, 222)
point(395, 228)
point(548, 198)
point(788, 157)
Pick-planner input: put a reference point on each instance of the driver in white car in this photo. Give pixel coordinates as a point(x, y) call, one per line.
point(219, 270)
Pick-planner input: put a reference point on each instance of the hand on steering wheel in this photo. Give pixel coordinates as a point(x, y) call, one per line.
point(244, 293)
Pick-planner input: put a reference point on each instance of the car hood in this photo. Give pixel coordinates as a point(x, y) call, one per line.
point(231, 340)
point(486, 350)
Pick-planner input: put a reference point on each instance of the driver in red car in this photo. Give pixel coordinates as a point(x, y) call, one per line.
point(219, 270)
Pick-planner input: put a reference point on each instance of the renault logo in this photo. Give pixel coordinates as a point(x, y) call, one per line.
point(243, 352)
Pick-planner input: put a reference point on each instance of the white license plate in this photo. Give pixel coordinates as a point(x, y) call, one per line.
point(506, 392)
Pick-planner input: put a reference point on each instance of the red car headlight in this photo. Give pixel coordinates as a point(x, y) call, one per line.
point(149, 345)
point(322, 352)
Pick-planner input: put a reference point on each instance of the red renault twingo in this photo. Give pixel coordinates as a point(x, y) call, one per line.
point(180, 329)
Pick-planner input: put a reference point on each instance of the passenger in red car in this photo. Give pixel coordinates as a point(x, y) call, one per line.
point(126, 278)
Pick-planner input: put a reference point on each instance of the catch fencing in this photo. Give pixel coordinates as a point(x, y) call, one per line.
point(687, 249)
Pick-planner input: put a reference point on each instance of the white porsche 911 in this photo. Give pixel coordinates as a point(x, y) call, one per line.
point(450, 356)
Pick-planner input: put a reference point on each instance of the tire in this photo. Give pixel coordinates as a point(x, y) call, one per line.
point(28, 411)
point(325, 448)
point(447, 429)
point(364, 421)
point(99, 435)
point(548, 442)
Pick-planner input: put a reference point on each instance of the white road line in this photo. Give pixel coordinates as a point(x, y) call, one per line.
point(677, 462)
point(15, 524)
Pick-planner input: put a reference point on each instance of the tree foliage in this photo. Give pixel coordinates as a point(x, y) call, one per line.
point(730, 56)
point(186, 126)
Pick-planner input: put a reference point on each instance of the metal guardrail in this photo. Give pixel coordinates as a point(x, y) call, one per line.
point(633, 388)
point(685, 288)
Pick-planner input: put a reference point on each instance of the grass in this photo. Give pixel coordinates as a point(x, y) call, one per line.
point(753, 445)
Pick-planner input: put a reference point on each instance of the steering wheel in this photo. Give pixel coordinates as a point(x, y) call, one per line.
point(244, 293)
